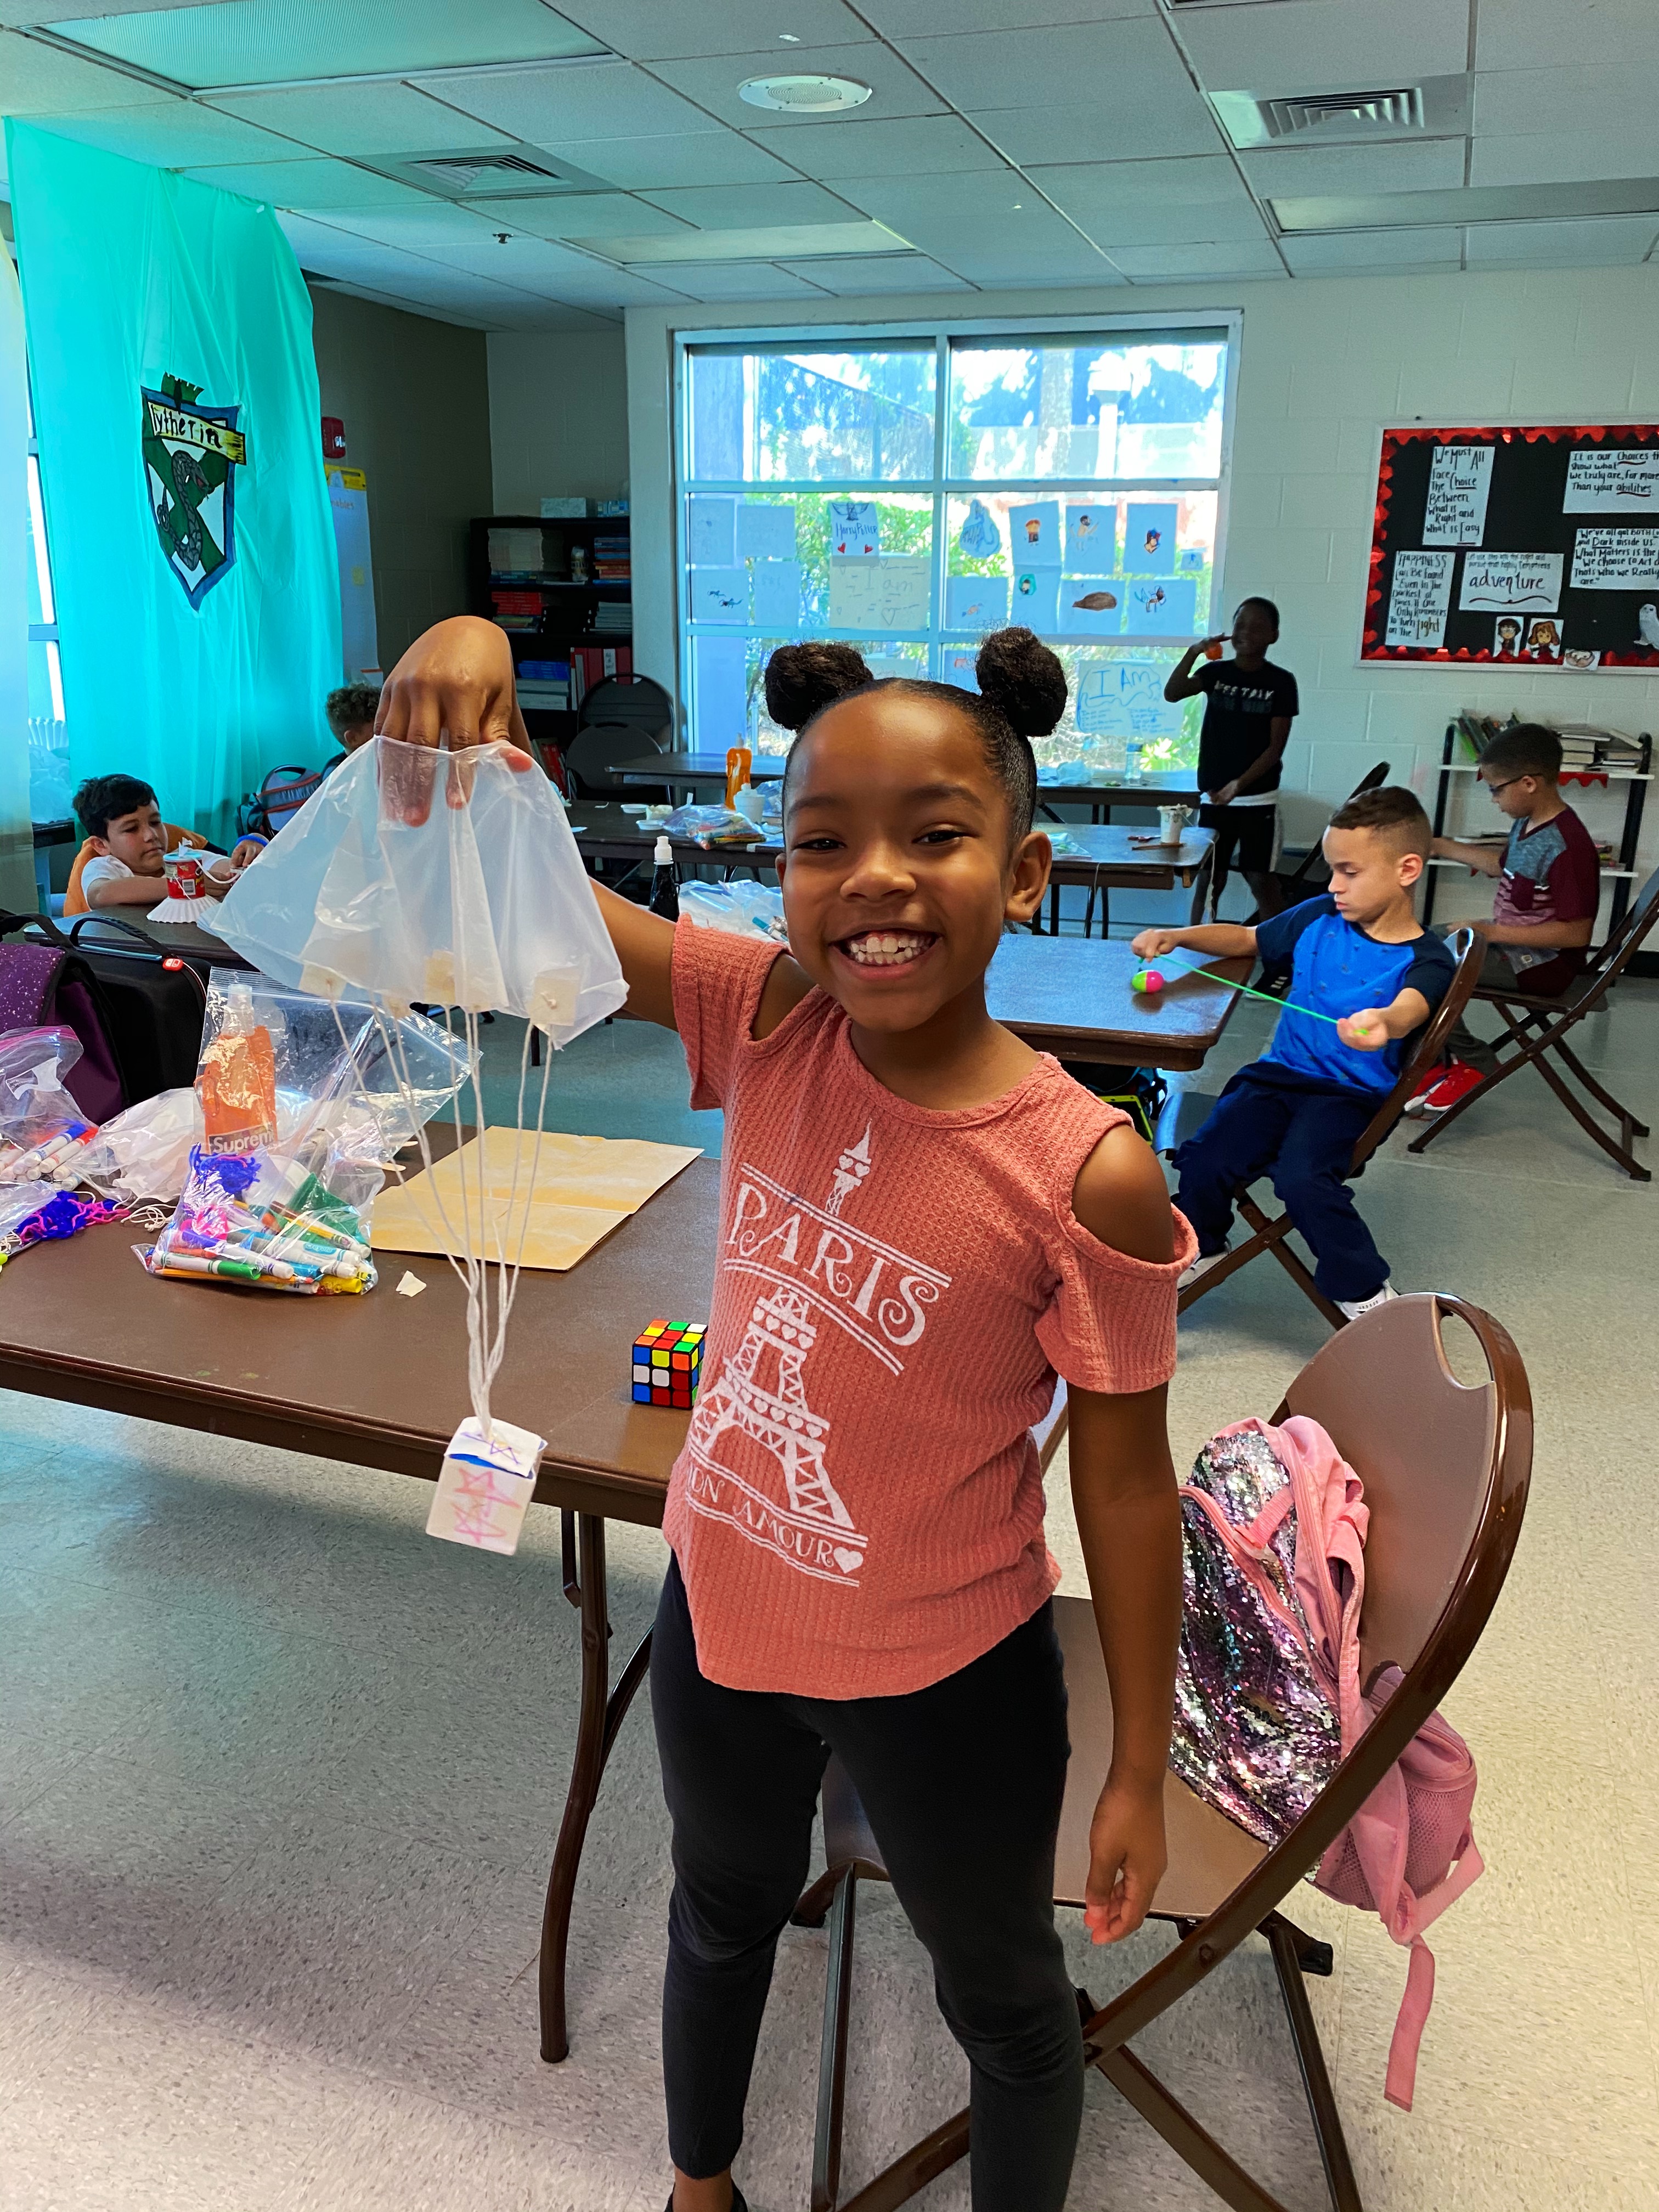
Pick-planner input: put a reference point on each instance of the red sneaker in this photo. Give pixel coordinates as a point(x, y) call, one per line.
point(1458, 1081)
point(1435, 1076)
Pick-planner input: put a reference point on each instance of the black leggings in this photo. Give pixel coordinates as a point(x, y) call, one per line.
point(962, 1783)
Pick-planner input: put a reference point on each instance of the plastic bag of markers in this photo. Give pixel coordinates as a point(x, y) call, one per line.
point(267, 1220)
point(43, 1133)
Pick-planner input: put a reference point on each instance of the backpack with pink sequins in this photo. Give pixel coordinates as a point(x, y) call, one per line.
point(1268, 1698)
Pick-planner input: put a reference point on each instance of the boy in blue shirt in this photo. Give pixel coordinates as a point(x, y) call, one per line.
point(1358, 954)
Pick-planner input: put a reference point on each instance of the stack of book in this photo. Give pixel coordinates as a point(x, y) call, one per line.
point(613, 618)
point(611, 558)
point(517, 610)
point(1587, 751)
point(515, 552)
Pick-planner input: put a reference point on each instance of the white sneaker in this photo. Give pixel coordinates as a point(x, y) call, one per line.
point(1354, 1307)
point(1201, 1266)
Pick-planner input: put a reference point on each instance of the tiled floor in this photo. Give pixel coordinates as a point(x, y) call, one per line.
point(278, 1778)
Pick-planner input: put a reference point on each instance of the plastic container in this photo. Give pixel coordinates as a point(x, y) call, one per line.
point(238, 1080)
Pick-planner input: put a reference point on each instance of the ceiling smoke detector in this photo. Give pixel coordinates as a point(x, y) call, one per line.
point(804, 95)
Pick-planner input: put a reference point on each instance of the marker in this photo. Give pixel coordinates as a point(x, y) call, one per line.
point(34, 1166)
point(199, 1263)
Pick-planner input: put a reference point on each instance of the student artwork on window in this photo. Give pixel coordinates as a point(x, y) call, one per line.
point(1418, 600)
point(1090, 606)
point(959, 669)
point(1149, 538)
point(721, 689)
point(854, 528)
point(776, 586)
point(1090, 540)
point(1124, 699)
point(1459, 483)
point(975, 603)
point(886, 594)
point(1035, 531)
point(1522, 582)
point(719, 595)
point(765, 531)
point(979, 537)
point(1166, 609)
point(1189, 561)
point(1035, 598)
point(709, 533)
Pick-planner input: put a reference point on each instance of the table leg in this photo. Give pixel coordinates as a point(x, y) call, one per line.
point(1054, 909)
point(602, 1710)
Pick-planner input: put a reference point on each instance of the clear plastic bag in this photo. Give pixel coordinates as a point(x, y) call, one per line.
point(714, 825)
point(267, 1220)
point(481, 902)
point(143, 1155)
point(43, 1133)
point(744, 907)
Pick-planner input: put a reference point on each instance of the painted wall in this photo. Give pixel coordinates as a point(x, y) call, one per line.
point(1324, 364)
point(414, 398)
point(558, 417)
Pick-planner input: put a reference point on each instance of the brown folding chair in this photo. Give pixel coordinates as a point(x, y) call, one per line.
point(1268, 1235)
point(1537, 1029)
point(1445, 1467)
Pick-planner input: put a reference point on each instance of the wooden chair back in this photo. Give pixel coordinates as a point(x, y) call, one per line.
point(1469, 951)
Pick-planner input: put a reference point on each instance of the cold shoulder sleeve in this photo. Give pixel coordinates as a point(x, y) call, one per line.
point(1110, 1324)
point(717, 979)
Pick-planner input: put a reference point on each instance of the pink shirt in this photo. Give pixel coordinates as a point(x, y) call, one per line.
point(857, 1510)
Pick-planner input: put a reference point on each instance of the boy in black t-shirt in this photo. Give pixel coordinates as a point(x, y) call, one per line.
point(1250, 705)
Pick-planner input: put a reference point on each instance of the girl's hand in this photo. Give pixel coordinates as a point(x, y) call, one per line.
point(1152, 943)
point(1366, 1031)
point(1128, 1855)
point(454, 685)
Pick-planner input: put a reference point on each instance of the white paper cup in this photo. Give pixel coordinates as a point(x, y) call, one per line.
point(1171, 821)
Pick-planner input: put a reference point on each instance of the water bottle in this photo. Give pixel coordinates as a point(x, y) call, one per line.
point(1132, 761)
point(664, 897)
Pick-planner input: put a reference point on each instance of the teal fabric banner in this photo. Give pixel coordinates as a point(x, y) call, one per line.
point(179, 420)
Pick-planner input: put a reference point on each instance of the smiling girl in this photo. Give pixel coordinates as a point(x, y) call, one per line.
point(922, 1222)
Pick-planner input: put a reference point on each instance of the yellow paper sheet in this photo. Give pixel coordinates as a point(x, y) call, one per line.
point(571, 1192)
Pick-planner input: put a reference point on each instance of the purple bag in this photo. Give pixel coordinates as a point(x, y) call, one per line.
point(41, 988)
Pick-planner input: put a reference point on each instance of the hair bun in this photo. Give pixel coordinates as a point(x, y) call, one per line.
point(1023, 680)
point(801, 680)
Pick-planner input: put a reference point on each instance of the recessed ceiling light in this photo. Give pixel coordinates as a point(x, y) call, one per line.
point(804, 95)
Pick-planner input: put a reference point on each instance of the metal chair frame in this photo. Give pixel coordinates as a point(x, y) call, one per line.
point(1252, 1905)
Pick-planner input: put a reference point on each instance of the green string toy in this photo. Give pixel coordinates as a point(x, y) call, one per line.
point(1149, 982)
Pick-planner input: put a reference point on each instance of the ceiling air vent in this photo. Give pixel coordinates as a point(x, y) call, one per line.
point(462, 172)
point(503, 171)
point(1438, 107)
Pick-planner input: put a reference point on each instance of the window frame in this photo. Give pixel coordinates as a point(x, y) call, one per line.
point(1225, 324)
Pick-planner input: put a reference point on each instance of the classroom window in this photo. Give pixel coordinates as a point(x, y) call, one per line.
point(909, 493)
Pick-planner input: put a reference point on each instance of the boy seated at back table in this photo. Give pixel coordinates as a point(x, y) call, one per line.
point(1543, 914)
point(1359, 957)
point(121, 862)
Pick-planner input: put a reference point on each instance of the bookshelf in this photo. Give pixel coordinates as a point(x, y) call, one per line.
point(1594, 761)
point(552, 616)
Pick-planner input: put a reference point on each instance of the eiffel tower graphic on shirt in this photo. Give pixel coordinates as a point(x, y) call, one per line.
point(760, 1393)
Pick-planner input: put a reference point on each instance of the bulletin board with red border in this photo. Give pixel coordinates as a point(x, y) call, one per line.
point(1519, 560)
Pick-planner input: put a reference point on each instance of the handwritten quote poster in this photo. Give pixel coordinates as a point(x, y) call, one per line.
point(1460, 483)
point(1125, 699)
point(1616, 483)
point(1615, 561)
point(888, 593)
point(1418, 598)
point(1522, 582)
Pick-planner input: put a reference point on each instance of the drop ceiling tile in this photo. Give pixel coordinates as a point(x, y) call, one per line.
point(714, 83)
point(415, 229)
point(646, 30)
point(658, 164)
point(579, 214)
point(1565, 157)
point(1425, 164)
point(234, 42)
point(917, 19)
point(36, 79)
point(1114, 128)
point(576, 100)
point(776, 241)
point(897, 272)
point(1232, 222)
point(1119, 64)
point(1097, 187)
point(308, 186)
point(746, 207)
point(909, 146)
point(1531, 34)
point(1033, 272)
point(759, 280)
point(1315, 45)
point(1147, 261)
point(369, 119)
point(1358, 251)
point(1602, 102)
point(56, 11)
point(177, 135)
point(976, 195)
point(1599, 240)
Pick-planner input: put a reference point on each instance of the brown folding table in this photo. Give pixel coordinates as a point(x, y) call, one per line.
point(381, 1381)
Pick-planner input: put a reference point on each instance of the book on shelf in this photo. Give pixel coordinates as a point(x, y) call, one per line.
point(515, 549)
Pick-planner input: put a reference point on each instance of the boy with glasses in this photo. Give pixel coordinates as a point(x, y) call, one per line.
point(1549, 885)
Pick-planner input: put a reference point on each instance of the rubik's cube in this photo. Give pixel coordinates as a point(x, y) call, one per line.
point(668, 1364)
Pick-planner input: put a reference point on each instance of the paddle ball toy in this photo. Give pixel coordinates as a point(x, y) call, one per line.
point(1147, 980)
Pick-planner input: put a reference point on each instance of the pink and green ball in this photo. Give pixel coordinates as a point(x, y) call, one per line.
point(1146, 979)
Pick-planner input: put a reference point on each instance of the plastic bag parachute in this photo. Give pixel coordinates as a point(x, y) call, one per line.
point(415, 877)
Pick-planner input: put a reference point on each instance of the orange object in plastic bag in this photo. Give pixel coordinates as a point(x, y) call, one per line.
point(738, 761)
point(238, 1081)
